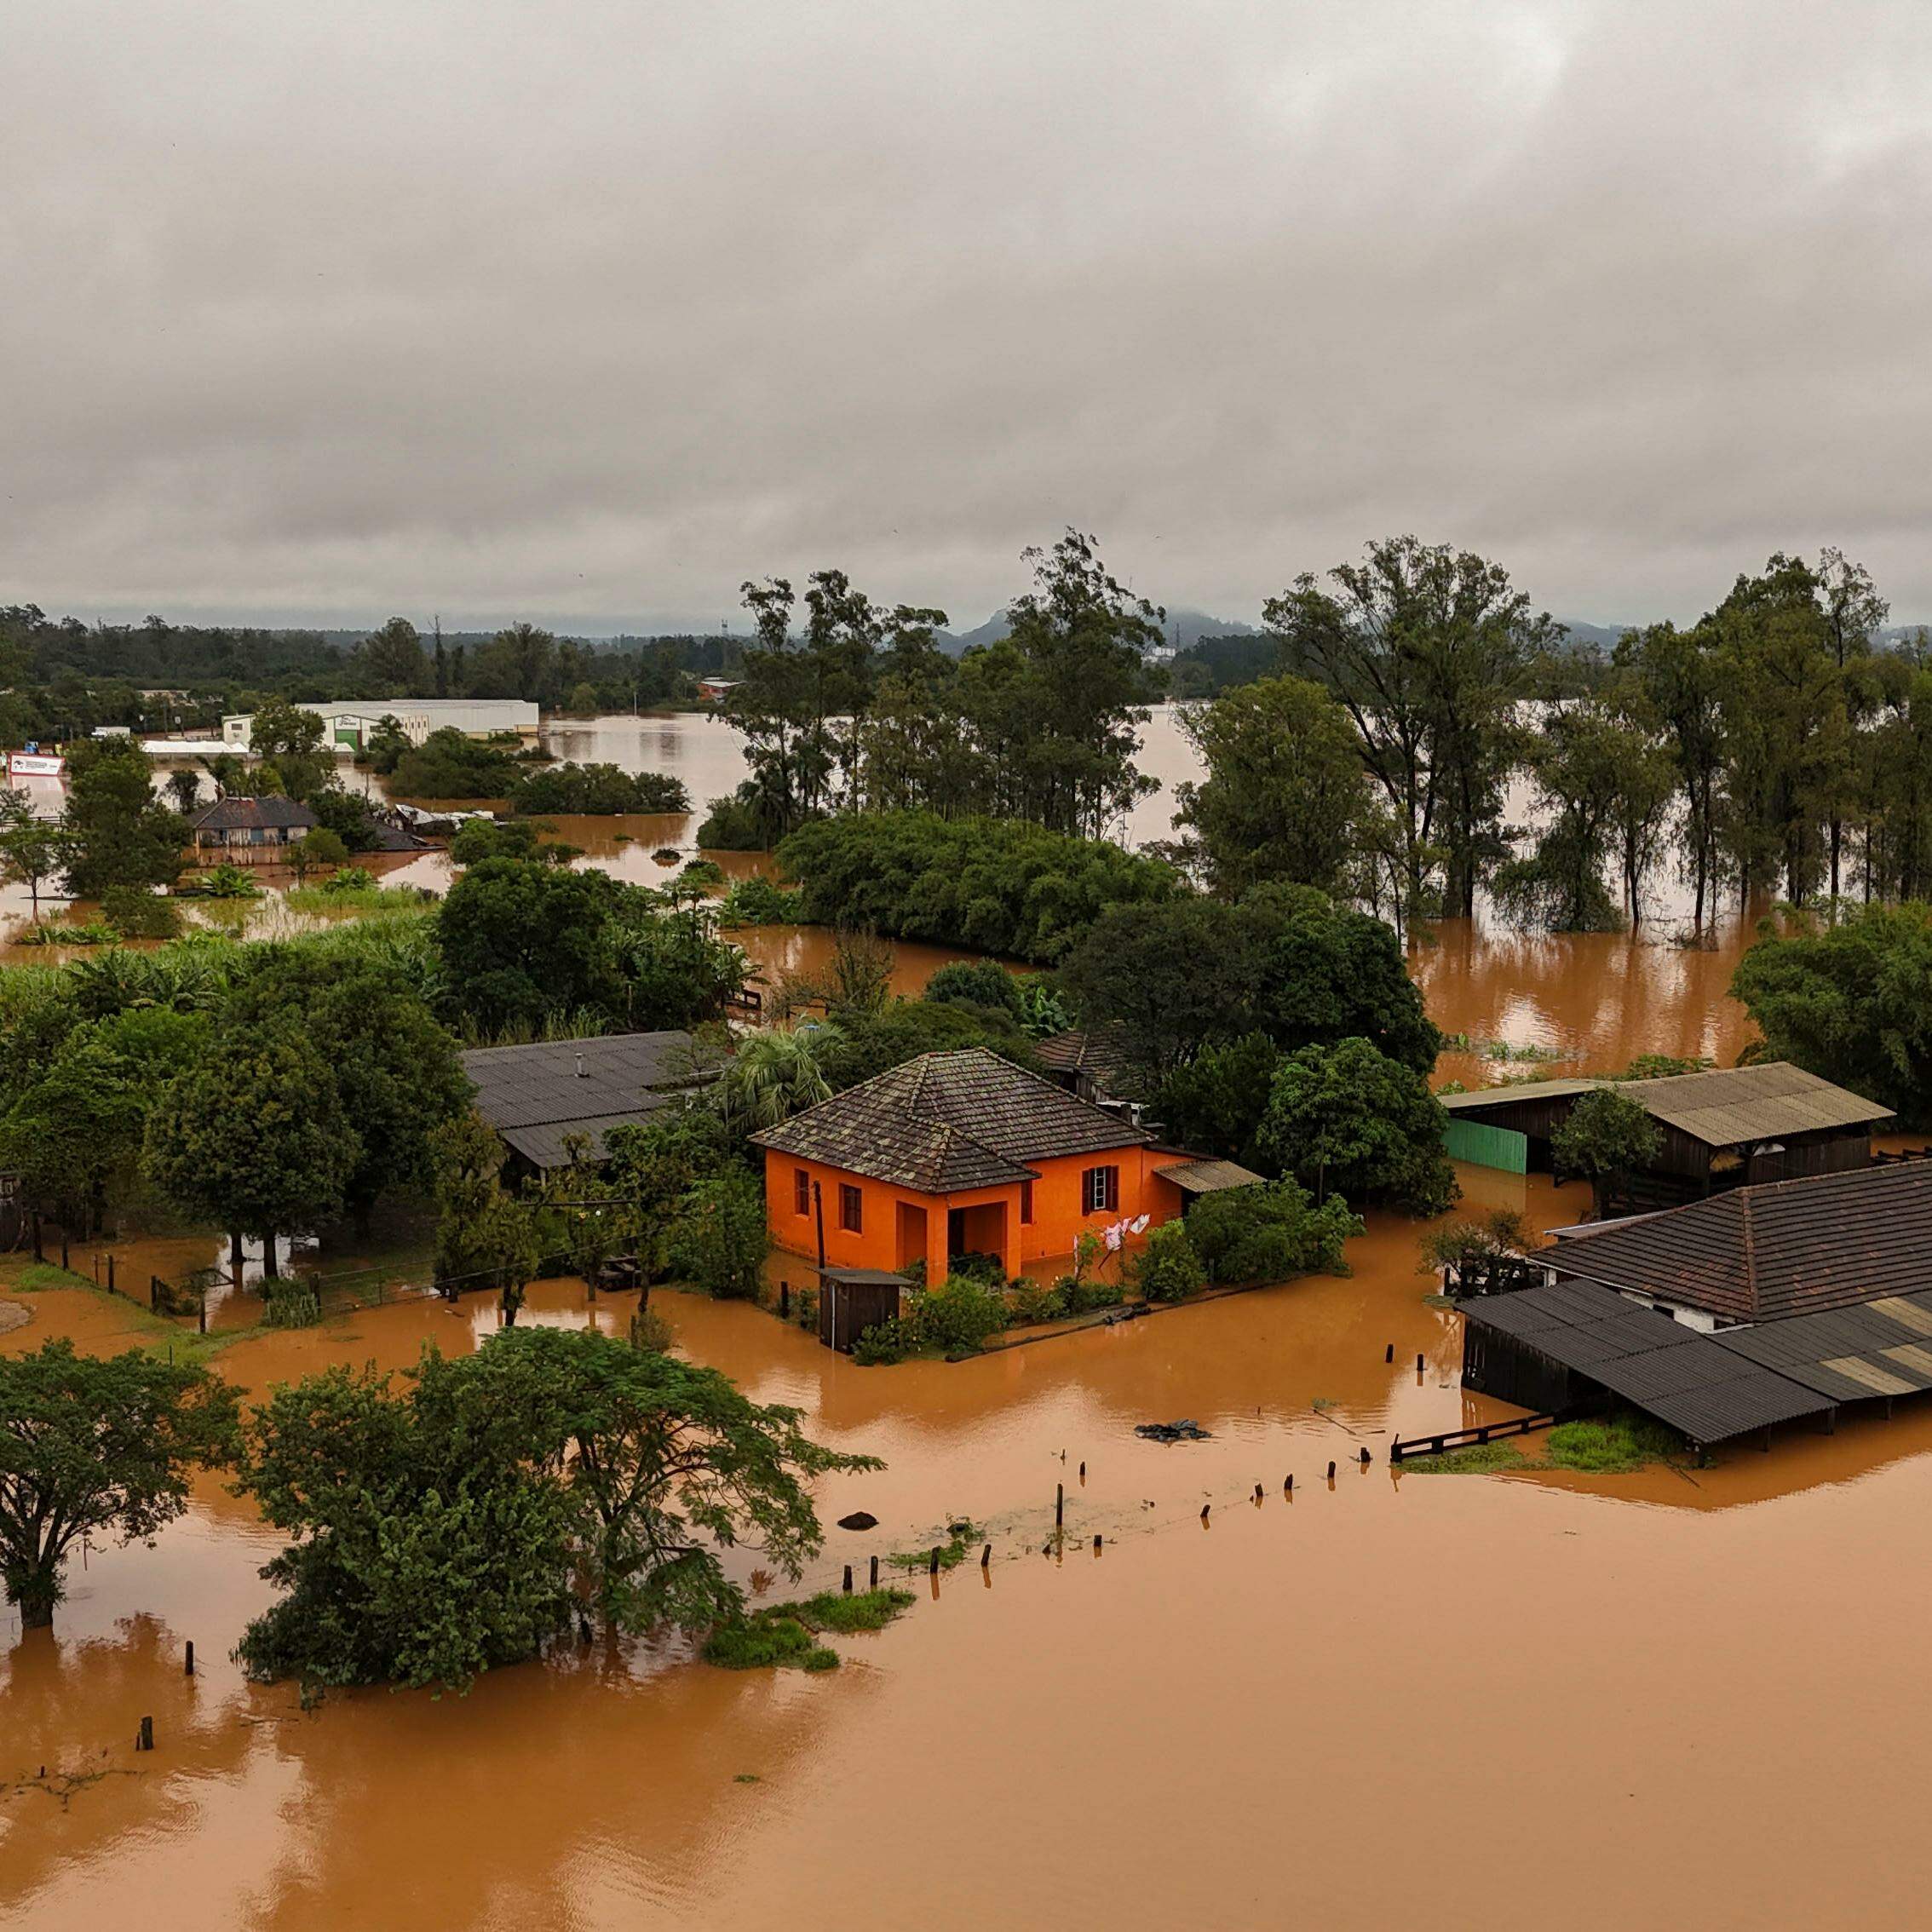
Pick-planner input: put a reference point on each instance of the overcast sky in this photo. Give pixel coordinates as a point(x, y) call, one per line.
point(586, 312)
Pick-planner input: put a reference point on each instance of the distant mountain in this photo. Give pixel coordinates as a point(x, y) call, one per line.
point(1183, 627)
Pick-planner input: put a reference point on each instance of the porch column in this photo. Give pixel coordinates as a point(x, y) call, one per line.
point(936, 1218)
point(1009, 1234)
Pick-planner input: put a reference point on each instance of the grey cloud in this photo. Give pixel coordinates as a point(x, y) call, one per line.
point(588, 311)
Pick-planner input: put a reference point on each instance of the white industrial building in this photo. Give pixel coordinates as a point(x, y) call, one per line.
point(351, 721)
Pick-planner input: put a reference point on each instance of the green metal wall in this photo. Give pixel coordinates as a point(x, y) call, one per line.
point(1488, 1146)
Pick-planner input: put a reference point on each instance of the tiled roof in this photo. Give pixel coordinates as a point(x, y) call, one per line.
point(1723, 1107)
point(1101, 1052)
point(536, 1097)
point(948, 1122)
point(1764, 1253)
point(253, 815)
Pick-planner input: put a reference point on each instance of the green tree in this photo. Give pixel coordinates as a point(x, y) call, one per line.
point(772, 1074)
point(291, 745)
point(1168, 1268)
point(1284, 797)
point(99, 1447)
point(1285, 961)
point(184, 789)
point(1680, 681)
point(1271, 1233)
point(719, 1242)
point(1578, 758)
point(1608, 1138)
point(1348, 1117)
point(1216, 1101)
point(391, 661)
point(254, 1138)
point(394, 1070)
point(461, 1521)
point(519, 939)
point(314, 850)
point(1428, 650)
point(1852, 1004)
point(32, 850)
point(485, 1236)
point(118, 833)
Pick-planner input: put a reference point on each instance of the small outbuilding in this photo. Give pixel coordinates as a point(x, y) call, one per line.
point(1728, 1127)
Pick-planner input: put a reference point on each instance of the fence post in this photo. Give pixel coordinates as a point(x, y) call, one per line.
point(110, 1272)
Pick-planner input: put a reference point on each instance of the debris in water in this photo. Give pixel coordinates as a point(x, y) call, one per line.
point(1182, 1431)
point(859, 1519)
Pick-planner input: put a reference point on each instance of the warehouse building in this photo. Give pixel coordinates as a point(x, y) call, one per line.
point(351, 722)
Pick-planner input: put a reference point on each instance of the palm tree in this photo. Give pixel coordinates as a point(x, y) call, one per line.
point(772, 1076)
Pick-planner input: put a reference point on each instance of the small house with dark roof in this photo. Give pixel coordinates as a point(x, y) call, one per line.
point(1782, 1302)
point(248, 831)
point(1089, 1064)
point(958, 1153)
point(544, 1097)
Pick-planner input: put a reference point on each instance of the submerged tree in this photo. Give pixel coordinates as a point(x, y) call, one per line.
point(254, 1138)
point(1284, 796)
point(1429, 649)
point(458, 1522)
point(96, 1447)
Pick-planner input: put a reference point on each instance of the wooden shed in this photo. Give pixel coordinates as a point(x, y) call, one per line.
point(851, 1300)
point(1721, 1129)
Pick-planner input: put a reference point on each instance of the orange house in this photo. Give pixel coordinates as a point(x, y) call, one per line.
point(958, 1153)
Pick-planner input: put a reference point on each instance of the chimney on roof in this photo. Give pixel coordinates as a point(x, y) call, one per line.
point(580, 1073)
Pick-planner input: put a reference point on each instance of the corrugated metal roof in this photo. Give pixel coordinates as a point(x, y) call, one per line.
point(536, 1096)
point(1850, 1355)
point(1724, 1107)
point(1773, 1251)
point(1677, 1374)
point(948, 1123)
point(1208, 1176)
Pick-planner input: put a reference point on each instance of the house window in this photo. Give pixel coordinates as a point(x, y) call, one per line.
point(851, 1209)
point(801, 1191)
point(1025, 1203)
point(1099, 1190)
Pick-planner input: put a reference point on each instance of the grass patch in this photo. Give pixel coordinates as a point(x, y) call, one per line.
point(1611, 1446)
point(768, 1642)
point(786, 1635)
point(36, 1275)
point(960, 1537)
point(1478, 1458)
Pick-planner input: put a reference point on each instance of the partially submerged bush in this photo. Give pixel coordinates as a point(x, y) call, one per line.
point(1169, 1268)
point(1270, 1233)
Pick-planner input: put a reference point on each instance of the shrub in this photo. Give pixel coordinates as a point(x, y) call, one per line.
point(1168, 1268)
point(995, 885)
point(702, 873)
point(598, 791)
point(958, 1316)
point(880, 1345)
point(977, 982)
point(1035, 1300)
point(1271, 1233)
point(1613, 1444)
point(135, 912)
point(733, 826)
point(348, 878)
point(755, 902)
point(227, 881)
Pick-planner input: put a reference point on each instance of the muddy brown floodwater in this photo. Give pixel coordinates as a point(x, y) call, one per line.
point(1492, 1701)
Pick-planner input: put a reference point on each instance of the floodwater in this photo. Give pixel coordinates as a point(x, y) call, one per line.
point(1476, 1700)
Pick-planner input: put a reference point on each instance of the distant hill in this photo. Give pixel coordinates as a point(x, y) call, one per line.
point(1183, 627)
